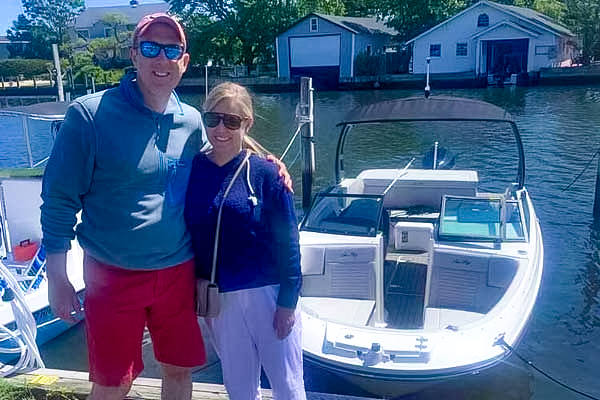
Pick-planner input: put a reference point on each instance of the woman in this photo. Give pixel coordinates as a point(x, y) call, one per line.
point(258, 258)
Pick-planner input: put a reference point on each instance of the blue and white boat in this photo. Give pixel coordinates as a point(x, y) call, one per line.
point(25, 318)
point(418, 274)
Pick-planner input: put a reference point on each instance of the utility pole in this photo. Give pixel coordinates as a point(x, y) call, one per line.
point(59, 83)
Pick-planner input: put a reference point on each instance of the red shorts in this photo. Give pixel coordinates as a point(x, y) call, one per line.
point(119, 303)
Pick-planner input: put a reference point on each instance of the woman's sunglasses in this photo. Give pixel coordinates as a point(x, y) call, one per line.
point(231, 121)
point(152, 49)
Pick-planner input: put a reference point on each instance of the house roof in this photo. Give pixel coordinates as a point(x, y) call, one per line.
point(524, 14)
point(526, 30)
point(91, 15)
point(536, 17)
point(6, 40)
point(357, 25)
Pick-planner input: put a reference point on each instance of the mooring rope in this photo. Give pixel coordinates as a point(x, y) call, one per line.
point(300, 125)
point(25, 332)
point(501, 342)
point(584, 169)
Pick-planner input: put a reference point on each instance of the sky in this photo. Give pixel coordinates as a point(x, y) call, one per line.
point(12, 8)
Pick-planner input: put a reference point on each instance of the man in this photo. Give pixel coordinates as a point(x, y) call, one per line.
point(123, 158)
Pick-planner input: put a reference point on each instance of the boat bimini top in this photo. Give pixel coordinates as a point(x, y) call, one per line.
point(435, 108)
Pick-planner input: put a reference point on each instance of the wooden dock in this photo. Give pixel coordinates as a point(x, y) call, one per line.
point(77, 384)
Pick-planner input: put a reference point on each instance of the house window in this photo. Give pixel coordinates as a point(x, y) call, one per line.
point(108, 32)
point(83, 33)
point(314, 25)
point(483, 20)
point(545, 50)
point(461, 49)
point(435, 50)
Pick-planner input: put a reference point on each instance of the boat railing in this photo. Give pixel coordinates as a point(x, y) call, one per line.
point(55, 124)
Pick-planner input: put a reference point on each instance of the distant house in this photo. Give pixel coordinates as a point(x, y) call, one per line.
point(326, 46)
point(493, 39)
point(89, 25)
point(5, 42)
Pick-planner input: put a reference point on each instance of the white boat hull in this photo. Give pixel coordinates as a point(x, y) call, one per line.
point(21, 202)
point(476, 300)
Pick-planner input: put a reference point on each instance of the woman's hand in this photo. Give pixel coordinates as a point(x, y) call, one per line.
point(284, 321)
point(283, 172)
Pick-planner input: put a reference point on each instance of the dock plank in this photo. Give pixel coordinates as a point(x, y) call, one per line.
point(77, 383)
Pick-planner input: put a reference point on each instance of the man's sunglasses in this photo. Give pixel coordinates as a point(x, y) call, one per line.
point(231, 121)
point(152, 49)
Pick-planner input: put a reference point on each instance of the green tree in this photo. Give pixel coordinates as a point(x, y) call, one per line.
point(583, 17)
point(236, 31)
point(54, 15)
point(26, 68)
point(360, 8)
point(413, 17)
point(552, 8)
point(330, 7)
point(43, 23)
point(273, 17)
point(23, 31)
point(107, 51)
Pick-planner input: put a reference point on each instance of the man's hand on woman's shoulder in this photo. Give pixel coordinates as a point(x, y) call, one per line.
point(283, 172)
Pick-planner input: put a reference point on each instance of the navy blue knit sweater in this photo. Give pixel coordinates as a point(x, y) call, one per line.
point(259, 243)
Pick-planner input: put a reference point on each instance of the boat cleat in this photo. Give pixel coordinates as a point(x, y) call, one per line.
point(374, 356)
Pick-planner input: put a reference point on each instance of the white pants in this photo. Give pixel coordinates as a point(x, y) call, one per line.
point(245, 340)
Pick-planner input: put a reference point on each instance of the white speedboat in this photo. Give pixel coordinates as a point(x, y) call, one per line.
point(25, 317)
point(415, 275)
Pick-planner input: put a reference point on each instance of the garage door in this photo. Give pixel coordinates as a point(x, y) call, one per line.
point(315, 51)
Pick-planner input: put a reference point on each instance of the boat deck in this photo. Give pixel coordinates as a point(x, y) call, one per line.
point(405, 277)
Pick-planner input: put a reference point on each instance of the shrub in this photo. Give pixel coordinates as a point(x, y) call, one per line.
point(367, 64)
point(26, 68)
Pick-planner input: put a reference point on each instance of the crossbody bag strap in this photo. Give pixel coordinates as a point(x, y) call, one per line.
point(218, 229)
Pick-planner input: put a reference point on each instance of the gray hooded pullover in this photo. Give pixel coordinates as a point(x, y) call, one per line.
point(126, 168)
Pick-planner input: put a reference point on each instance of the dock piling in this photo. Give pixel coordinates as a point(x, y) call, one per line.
point(306, 117)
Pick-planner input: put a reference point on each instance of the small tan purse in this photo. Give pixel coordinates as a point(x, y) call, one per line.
point(208, 302)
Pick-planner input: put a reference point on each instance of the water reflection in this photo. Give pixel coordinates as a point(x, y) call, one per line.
point(589, 279)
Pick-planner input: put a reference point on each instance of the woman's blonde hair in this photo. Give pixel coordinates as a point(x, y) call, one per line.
point(238, 94)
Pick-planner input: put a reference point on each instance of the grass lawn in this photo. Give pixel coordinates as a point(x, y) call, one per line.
point(21, 173)
point(9, 391)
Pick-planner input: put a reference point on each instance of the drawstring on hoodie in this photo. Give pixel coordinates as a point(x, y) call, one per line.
point(252, 198)
point(178, 103)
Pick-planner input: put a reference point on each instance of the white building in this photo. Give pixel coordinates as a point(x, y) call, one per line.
point(325, 46)
point(493, 39)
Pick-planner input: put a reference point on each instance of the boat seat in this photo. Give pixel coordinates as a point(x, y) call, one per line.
point(444, 318)
point(347, 311)
point(468, 281)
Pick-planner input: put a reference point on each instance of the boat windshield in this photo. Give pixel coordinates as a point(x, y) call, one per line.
point(344, 214)
point(493, 218)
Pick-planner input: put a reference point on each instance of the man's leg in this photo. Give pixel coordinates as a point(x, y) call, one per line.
point(175, 331)
point(176, 382)
point(108, 392)
point(115, 318)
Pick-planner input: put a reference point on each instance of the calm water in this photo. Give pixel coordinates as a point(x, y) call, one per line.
point(560, 128)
